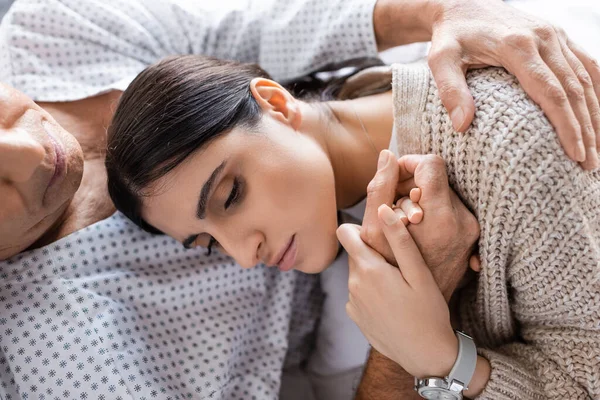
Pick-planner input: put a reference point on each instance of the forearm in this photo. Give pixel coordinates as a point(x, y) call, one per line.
point(399, 22)
point(383, 379)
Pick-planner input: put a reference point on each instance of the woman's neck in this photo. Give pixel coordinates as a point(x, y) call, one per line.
point(352, 133)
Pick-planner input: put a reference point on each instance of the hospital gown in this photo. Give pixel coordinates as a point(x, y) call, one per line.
point(111, 312)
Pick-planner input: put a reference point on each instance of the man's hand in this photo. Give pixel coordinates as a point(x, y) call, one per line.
point(401, 311)
point(447, 232)
point(558, 75)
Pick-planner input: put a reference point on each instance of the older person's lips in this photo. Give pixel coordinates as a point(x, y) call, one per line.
point(60, 160)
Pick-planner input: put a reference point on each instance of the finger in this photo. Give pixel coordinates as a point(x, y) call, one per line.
point(406, 172)
point(401, 215)
point(406, 176)
point(415, 195)
point(545, 89)
point(404, 187)
point(449, 74)
point(578, 86)
point(349, 237)
point(593, 70)
point(428, 170)
point(475, 263)
point(410, 261)
point(412, 210)
point(381, 190)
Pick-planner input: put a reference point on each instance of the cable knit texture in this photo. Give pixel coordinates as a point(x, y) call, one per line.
point(534, 311)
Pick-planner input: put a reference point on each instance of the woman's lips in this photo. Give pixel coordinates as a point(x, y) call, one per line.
point(289, 256)
point(59, 155)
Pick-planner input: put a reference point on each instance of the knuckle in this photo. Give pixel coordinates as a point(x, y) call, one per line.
point(369, 234)
point(520, 40)
point(556, 93)
point(587, 130)
point(539, 72)
point(560, 32)
point(436, 162)
point(595, 114)
point(365, 233)
point(584, 77)
point(574, 90)
point(545, 32)
point(441, 53)
point(448, 90)
point(376, 184)
point(595, 64)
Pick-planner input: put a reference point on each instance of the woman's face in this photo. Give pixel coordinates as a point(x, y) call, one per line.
point(40, 169)
point(265, 197)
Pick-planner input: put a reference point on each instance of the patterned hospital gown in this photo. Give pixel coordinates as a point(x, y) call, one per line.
point(111, 312)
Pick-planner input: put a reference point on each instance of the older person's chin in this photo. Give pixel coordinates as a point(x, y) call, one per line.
point(51, 230)
point(11, 251)
point(30, 242)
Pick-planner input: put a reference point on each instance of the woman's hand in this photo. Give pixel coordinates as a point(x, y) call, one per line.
point(558, 75)
point(401, 310)
point(447, 232)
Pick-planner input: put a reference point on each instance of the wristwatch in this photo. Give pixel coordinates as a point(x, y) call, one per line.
point(452, 386)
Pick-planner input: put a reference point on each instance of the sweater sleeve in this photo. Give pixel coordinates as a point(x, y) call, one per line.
point(62, 50)
point(535, 309)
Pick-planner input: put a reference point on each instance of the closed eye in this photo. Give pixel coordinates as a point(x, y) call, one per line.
point(234, 195)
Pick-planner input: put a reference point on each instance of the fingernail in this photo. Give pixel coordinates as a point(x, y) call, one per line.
point(580, 151)
point(383, 158)
point(458, 118)
point(415, 195)
point(388, 215)
point(404, 219)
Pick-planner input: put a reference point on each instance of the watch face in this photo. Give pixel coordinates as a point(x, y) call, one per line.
point(438, 394)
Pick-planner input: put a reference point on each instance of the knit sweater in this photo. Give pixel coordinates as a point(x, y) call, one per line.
point(534, 310)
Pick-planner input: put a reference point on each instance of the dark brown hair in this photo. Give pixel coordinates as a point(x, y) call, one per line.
point(178, 106)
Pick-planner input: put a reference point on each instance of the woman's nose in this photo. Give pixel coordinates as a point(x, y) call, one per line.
point(20, 155)
point(246, 253)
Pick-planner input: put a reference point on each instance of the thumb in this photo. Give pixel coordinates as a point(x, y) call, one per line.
point(475, 263)
point(449, 74)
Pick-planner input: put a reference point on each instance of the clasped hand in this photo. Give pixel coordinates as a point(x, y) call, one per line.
point(402, 310)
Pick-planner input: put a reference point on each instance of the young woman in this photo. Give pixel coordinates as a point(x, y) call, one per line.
point(214, 153)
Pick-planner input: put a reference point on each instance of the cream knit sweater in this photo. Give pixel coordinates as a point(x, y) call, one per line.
point(534, 311)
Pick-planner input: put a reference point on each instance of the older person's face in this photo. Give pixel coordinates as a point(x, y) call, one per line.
point(40, 170)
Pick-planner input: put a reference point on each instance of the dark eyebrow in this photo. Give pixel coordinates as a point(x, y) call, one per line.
point(206, 190)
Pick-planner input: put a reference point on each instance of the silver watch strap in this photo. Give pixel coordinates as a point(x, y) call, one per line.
point(464, 367)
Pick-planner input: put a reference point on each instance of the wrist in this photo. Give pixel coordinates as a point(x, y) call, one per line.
point(480, 378)
point(468, 376)
point(399, 22)
point(442, 358)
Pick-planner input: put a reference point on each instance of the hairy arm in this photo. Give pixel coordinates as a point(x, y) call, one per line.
point(383, 379)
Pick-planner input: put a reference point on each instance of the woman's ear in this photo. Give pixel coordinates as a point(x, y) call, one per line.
point(276, 101)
